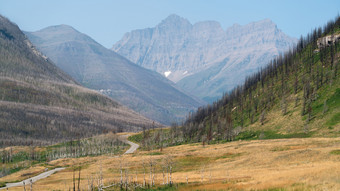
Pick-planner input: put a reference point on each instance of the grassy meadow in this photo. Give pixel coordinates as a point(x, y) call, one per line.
point(278, 164)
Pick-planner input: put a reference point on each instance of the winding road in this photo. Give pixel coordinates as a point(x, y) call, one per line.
point(132, 149)
point(33, 179)
point(133, 145)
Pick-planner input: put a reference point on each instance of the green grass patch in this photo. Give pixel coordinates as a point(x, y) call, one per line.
point(20, 156)
point(13, 170)
point(255, 135)
point(155, 153)
point(64, 144)
point(247, 135)
point(275, 135)
point(137, 138)
point(2, 184)
point(335, 152)
point(274, 189)
point(190, 162)
point(335, 119)
point(280, 148)
point(332, 98)
point(158, 187)
point(229, 156)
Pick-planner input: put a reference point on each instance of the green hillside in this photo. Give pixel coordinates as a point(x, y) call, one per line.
point(296, 95)
point(40, 104)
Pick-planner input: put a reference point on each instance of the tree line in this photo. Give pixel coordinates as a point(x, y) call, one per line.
point(304, 68)
point(299, 73)
point(13, 160)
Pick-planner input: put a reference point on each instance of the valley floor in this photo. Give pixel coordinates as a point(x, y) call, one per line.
point(287, 164)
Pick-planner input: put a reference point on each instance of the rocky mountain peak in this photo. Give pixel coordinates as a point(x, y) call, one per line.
point(265, 22)
point(61, 33)
point(253, 27)
point(177, 49)
point(61, 29)
point(173, 18)
point(207, 25)
point(174, 22)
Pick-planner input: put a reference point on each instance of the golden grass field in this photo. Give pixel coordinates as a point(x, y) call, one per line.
point(290, 164)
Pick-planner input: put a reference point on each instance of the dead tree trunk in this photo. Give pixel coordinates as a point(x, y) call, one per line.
point(74, 180)
point(79, 178)
point(31, 185)
point(151, 165)
point(144, 181)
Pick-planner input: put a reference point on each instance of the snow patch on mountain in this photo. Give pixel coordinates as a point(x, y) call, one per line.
point(167, 73)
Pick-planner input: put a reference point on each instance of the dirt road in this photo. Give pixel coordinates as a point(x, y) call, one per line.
point(33, 179)
point(133, 147)
point(46, 174)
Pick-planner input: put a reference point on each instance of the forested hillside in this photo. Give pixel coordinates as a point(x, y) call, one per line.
point(40, 104)
point(296, 95)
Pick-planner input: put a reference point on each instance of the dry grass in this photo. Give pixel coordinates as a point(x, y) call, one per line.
point(292, 164)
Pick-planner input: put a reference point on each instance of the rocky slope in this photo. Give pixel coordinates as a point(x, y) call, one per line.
point(204, 58)
point(96, 67)
point(40, 104)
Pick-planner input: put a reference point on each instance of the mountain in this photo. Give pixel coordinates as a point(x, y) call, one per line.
point(101, 69)
point(40, 104)
point(203, 58)
point(297, 95)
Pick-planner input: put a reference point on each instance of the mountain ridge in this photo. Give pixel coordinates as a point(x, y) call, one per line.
point(96, 67)
point(179, 50)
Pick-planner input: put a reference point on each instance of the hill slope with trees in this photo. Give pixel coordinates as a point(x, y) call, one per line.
point(296, 95)
point(40, 104)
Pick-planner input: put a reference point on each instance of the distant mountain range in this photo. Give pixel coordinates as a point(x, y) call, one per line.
point(40, 104)
point(202, 58)
point(101, 69)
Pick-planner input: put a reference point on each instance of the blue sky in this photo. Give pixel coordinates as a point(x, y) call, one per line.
point(107, 21)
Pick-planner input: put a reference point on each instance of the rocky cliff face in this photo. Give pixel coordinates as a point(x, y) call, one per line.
point(174, 45)
point(189, 53)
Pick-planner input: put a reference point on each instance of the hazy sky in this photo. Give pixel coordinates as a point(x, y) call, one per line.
point(107, 21)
